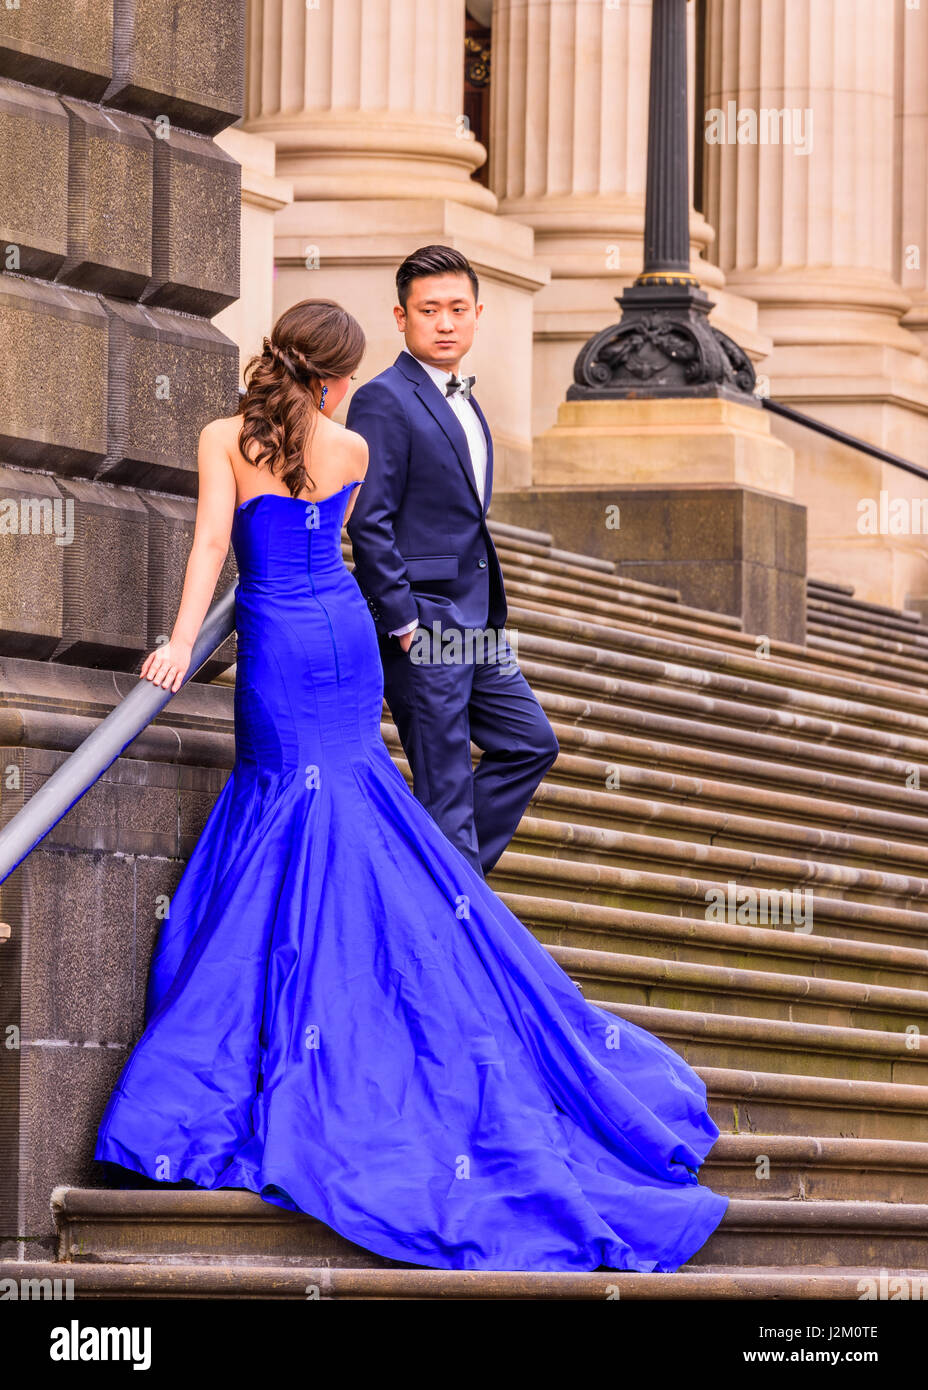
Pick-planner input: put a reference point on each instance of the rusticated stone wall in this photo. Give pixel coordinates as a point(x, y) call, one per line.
point(119, 239)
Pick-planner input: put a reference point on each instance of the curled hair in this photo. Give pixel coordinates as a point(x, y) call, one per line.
point(312, 340)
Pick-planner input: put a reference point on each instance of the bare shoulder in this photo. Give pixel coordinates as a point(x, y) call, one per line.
point(224, 430)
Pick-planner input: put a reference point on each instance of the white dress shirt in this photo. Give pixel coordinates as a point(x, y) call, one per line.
point(476, 439)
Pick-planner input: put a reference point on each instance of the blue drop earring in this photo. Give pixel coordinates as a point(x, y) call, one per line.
point(322, 398)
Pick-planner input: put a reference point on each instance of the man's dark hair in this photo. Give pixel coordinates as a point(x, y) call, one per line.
point(432, 260)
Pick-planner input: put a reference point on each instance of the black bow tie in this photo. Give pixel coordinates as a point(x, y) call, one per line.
point(463, 385)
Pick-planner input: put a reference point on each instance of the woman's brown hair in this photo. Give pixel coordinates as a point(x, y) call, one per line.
point(313, 339)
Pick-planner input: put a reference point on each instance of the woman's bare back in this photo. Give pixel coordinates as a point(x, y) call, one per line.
point(336, 456)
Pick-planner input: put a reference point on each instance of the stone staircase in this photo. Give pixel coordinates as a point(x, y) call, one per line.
point(705, 775)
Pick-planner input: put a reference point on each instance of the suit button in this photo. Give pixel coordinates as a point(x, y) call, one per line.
point(481, 564)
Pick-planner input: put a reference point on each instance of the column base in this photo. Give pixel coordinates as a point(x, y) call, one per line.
point(616, 442)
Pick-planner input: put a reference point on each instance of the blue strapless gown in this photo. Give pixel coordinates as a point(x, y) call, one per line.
point(343, 1017)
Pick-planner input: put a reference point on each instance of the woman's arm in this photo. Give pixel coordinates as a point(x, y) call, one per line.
point(167, 665)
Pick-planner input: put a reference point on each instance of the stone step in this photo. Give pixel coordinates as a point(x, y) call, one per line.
point(678, 720)
point(524, 535)
point(598, 845)
point(555, 589)
point(624, 979)
point(661, 936)
point(725, 829)
point(591, 595)
point(877, 613)
point(571, 644)
point(614, 693)
point(798, 1167)
point(230, 1226)
point(683, 621)
point(605, 885)
point(762, 1103)
point(813, 1050)
point(583, 566)
point(770, 1233)
point(821, 653)
point(706, 630)
point(902, 669)
point(677, 770)
point(233, 1227)
point(550, 589)
point(124, 1282)
point(829, 586)
point(580, 583)
point(573, 790)
point(647, 785)
point(901, 637)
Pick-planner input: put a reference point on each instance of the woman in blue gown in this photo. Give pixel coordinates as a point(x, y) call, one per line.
point(341, 1014)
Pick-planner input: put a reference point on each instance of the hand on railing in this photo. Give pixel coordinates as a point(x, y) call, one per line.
point(167, 665)
point(140, 704)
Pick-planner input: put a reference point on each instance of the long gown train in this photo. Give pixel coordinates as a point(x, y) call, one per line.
point(343, 1017)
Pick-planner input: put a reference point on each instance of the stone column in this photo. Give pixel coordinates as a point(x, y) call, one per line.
point(911, 166)
point(119, 239)
point(263, 195)
point(800, 156)
point(569, 142)
point(364, 100)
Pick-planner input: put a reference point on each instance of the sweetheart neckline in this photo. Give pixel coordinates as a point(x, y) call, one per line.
point(304, 500)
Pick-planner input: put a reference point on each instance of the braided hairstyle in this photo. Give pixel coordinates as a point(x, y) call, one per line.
point(310, 341)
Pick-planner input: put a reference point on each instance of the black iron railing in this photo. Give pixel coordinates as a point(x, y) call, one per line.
point(840, 437)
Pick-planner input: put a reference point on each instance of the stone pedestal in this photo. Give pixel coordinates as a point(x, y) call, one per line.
point(606, 442)
point(729, 549)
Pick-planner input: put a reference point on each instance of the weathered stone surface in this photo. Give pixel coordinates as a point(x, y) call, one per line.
point(180, 62)
point(727, 549)
point(33, 535)
point(171, 522)
point(104, 572)
point(71, 555)
point(33, 181)
point(169, 376)
point(110, 192)
point(54, 344)
point(51, 46)
point(67, 1089)
point(77, 944)
point(196, 185)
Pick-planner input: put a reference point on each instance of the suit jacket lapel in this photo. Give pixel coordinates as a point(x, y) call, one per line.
point(444, 415)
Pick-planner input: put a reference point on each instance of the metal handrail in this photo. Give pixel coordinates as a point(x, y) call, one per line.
point(851, 440)
point(104, 744)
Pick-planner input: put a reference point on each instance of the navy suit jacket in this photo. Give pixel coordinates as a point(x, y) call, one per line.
point(422, 550)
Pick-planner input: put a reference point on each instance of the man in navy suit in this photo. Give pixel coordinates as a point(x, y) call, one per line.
point(423, 555)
